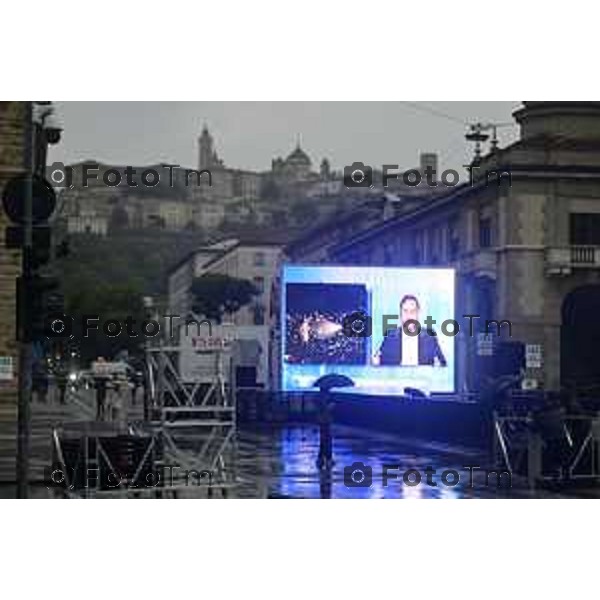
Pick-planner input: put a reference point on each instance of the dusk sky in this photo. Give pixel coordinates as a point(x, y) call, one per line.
point(249, 135)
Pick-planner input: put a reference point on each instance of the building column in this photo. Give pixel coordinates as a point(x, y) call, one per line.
point(12, 138)
point(465, 344)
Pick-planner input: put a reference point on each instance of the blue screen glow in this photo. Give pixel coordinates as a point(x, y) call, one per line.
point(333, 321)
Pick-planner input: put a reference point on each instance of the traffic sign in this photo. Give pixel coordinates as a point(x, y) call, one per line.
point(43, 199)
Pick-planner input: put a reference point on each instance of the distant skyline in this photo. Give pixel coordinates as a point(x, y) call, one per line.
point(248, 135)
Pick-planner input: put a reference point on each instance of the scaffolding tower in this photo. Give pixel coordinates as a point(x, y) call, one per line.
point(196, 419)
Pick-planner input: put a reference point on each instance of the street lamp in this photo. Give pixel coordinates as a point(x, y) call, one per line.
point(47, 132)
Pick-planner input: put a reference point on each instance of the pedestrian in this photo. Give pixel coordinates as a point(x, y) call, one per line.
point(61, 383)
point(325, 457)
point(39, 382)
point(549, 423)
point(100, 385)
point(135, 384)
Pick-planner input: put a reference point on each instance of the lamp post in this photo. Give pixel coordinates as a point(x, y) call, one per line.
point(148, 302)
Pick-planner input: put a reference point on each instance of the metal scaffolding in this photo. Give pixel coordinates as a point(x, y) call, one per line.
point(197, 419)
point(570, 454)
point(186, 446)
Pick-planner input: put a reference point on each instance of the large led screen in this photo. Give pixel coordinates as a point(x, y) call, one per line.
point(389, 330)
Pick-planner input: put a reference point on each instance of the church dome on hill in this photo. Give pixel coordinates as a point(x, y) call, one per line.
point(299, 157)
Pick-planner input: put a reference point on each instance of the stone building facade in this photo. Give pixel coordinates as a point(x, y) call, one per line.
point(257, 261)
point(233, 196)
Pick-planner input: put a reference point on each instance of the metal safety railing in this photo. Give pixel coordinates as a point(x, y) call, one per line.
point(93, 460)
point(548, 447)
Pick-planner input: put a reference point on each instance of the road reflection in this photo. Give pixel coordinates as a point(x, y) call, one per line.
point(283, 463)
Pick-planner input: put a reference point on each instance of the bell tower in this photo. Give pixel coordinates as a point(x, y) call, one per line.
point(205, 143)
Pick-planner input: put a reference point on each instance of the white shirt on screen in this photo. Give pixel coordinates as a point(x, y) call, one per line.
point(410, 350)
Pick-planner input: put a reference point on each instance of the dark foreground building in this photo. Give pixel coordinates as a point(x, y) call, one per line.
point(12, 149)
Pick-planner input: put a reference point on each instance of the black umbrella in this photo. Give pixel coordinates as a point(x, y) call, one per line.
point(327, 382)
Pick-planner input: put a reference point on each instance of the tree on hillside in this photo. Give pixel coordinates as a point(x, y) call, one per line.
point(214, 295)
point(106, 302)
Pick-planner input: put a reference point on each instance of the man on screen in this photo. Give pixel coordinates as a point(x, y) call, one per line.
point(403, 347)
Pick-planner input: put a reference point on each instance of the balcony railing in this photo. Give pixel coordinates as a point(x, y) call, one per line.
point(559, 259)
point(584, 255)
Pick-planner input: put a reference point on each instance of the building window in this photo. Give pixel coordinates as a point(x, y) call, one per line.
point(259, 314)
point(454, 247)
point(437, 246)
point(417, 249)
point(259, 259)
point(584, 229)
point(485, 232)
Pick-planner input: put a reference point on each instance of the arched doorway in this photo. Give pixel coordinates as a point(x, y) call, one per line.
point(580, 339)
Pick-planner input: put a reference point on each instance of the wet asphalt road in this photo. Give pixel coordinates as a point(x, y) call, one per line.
point(281, 462)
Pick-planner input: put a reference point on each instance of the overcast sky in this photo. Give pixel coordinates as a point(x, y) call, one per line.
point(249, 134)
